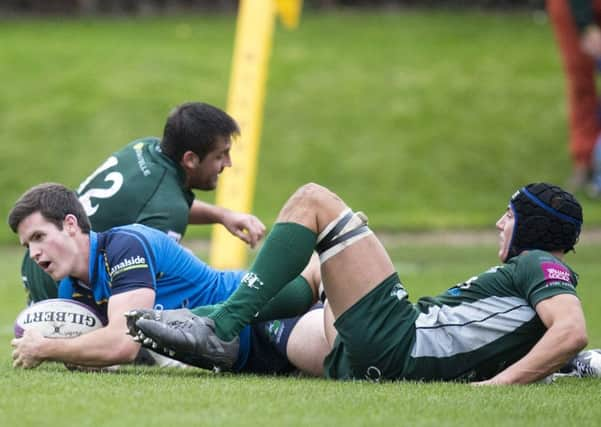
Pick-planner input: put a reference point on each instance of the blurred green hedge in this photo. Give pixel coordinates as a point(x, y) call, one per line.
point(152, 7)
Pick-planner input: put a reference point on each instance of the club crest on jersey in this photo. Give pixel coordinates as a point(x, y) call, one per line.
point(399, 292)
point(252, 281)
point(556, 272)
point(128, 264)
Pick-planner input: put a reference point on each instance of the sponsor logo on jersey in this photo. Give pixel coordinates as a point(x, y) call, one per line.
point(274, 330)
point(560, 284)
point(141, 160)
point(128, 264)
point(554, 272)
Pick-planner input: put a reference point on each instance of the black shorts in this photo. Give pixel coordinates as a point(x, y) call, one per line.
point(268, 341)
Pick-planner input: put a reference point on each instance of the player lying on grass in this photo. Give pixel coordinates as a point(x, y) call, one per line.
point(150, 182)
point(137, 266)
point(515, 323)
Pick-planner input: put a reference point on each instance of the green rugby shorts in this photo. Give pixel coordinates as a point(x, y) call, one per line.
point(375, 335)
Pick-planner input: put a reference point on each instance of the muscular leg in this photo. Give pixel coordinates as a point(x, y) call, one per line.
point(328, 324)
point(307, 346)
point(359, 264)
point(353, 272)
point(347, 276)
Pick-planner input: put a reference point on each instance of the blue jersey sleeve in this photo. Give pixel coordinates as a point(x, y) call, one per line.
point(129, 263)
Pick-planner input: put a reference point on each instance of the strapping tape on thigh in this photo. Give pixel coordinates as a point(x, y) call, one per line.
point(341, 233)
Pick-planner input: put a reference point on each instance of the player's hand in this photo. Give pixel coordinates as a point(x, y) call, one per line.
point(590, 42)
point(246, 227)
point(26, 350)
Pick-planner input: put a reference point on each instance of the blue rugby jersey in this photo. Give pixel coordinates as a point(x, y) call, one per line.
point(134, 256)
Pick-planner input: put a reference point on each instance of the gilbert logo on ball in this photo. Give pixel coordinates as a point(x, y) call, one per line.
point(57, 318)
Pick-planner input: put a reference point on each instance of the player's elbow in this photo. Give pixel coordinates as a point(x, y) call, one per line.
point(125, 352)
point(580, 340)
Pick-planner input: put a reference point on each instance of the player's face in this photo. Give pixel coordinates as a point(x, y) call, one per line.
point(52, 249)
point(505, 226)
point(206, 173)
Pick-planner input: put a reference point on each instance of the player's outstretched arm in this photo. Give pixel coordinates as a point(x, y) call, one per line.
point(565, 337)
point(103, 347)
point(245, 226)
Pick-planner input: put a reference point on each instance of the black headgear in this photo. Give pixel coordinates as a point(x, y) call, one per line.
point(546, 217)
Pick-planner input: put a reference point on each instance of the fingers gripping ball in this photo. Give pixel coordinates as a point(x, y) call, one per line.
point(58, 318)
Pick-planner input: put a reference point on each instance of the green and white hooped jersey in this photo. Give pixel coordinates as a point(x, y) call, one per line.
point(480, 327)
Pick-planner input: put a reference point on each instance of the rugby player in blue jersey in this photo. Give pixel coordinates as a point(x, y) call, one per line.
point(135, 266)
point(515, 323)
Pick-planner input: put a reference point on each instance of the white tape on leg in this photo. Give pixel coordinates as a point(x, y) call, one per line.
point(353, 230)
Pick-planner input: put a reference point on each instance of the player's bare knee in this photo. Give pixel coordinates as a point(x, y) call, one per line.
point(300, 200)
point(312, 194)
point(314, 200)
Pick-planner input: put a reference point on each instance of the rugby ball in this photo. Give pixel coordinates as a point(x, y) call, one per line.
point(57, 318)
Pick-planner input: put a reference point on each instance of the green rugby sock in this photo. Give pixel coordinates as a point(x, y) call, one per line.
point(284, 255)
point(205, 310)
point(293, 300)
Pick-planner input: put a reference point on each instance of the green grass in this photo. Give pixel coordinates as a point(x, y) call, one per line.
point(424, 119)
point(51, 395)
point(140, 397)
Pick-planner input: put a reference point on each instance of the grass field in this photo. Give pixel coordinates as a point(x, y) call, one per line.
point(51, 395)
point(424, 119)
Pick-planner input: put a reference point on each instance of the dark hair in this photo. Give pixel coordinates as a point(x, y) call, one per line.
point(196, 127)
point(53, 201)
point(546, 217)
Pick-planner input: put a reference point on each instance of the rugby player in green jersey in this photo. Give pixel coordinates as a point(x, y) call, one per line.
point(150, 181)
point(515, 323)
